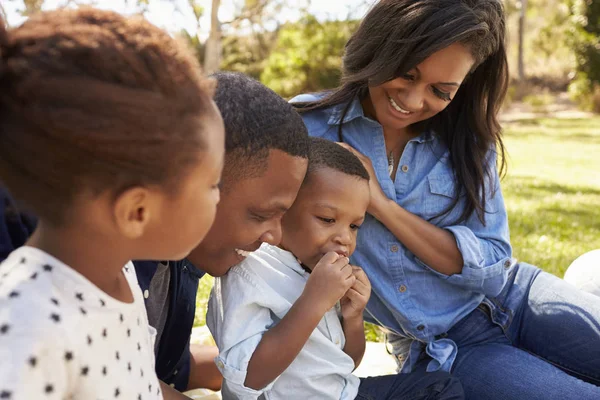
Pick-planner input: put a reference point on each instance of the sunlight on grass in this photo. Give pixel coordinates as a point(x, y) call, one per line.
point(552, 193)
point(552, 190)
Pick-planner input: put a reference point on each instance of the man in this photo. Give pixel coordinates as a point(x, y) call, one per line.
point(265, 163)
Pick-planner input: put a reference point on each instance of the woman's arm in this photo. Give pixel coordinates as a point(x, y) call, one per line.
point(434, 246)
point(474, 255)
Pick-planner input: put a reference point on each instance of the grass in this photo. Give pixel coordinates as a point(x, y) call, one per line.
point(551, 190)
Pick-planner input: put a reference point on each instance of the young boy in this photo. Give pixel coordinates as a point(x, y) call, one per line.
point(288, 319)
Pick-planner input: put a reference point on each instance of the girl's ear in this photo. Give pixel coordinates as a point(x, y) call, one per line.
point(132, 211)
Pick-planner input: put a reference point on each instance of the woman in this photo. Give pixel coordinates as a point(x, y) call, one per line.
point(422, 84)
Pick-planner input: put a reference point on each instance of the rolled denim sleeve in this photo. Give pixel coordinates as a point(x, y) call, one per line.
point(238, 318)
point(485, 249)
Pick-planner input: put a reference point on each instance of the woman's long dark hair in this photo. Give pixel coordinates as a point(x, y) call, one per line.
point(397, 35)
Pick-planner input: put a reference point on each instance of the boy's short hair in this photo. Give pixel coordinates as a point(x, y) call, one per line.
point(327, 154)
point(256, 120)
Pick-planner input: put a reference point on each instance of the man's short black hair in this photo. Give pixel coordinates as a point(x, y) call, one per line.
point(256, 120)
point(327, 154)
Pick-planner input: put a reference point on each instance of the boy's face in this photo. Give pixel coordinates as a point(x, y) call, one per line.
point(250, 213)
point(326, 216)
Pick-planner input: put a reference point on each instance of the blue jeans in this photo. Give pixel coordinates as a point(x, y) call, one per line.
point(414, 386)
point(540, 339)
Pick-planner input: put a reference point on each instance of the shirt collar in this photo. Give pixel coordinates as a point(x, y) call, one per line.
point(286, 257)
point(356, 111)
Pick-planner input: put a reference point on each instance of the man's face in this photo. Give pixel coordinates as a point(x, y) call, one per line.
point(250, 213)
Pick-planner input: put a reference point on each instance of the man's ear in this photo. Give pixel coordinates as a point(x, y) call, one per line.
point(132, 211)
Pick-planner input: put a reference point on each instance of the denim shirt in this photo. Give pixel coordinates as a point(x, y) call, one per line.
point(173, 358)
point(410, 298)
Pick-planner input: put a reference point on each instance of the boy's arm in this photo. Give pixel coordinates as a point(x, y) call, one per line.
point(354, 331)
point(353, 304)
point(280, 345)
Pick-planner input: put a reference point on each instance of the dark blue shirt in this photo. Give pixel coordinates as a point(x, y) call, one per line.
point(173, 358)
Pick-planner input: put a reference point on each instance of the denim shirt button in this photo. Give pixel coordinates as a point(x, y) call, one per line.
point(402, 289)
point(421, 327)
point(405, 168)
point(507, 264)
point(394, 249)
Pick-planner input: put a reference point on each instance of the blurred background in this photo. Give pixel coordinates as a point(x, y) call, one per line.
point(552, 187)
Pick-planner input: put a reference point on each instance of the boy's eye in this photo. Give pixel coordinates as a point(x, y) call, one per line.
point(258, 217)
point(354, 227)
point(327, 220)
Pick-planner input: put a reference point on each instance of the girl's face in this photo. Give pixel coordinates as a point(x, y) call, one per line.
point(181, 221)
point(423, 92)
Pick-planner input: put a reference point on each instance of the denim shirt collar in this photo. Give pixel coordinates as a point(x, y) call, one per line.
point(355, 110)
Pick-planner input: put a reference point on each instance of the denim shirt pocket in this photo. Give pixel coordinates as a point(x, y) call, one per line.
point(441, 195)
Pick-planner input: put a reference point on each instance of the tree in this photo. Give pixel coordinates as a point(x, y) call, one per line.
point(522, 16)
point(212, 49)
point(307, 56)
point(585, 39)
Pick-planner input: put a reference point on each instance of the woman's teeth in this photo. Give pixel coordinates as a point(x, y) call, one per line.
point(397, 107)
point(242, 253)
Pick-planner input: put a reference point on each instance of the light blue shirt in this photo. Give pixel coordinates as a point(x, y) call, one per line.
point(252, 298)
point(409, 297)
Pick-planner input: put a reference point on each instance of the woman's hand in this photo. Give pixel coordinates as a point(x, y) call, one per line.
point(378, 198)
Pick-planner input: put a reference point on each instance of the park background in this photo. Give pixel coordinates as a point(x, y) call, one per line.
point(551, 126)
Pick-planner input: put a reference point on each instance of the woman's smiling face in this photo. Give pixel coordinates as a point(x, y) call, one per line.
point(422, 92)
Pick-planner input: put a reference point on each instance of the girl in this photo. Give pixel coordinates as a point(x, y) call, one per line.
point(423, 81)
point(109, 134)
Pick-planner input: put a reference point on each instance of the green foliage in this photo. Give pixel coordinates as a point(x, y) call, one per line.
point(307, 56)
point(539, 101)
point(585, 40)
point(247, 54)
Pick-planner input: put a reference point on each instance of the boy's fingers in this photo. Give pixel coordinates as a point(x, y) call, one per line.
point(361, 287)
point(330, 257)
point(341, 262)
point(353, 295)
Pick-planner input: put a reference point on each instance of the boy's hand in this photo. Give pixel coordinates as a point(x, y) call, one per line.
point(356, 298)
point(329, 280)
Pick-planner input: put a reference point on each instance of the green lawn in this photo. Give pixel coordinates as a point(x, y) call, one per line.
point(552, 192)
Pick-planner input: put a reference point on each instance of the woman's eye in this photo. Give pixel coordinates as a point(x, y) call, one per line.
point(408, 77)
point(442, 95)
point(327, 220)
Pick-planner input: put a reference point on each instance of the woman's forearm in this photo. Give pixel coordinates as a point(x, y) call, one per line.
point(435, 246)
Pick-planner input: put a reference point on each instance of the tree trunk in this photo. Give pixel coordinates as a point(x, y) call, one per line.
point(522, 15)
point(212, 50)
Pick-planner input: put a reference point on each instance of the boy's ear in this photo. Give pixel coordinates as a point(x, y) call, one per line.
point(132, 211)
